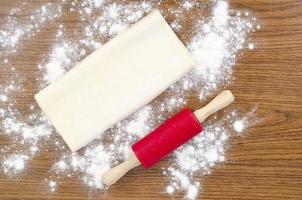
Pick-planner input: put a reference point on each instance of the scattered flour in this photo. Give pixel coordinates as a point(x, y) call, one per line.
point(52, 185)
point(241, 123)
point(3, 98)
point(14, 163)
point(15, 30)
point(251, 46)
point(59, 61)
point(170, 189)
point(214, 43)
point(239, 126)
point(188, 5)
point(215, 48)
point(33, 133)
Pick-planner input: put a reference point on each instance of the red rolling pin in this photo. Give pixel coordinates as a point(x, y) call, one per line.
point(167, 137)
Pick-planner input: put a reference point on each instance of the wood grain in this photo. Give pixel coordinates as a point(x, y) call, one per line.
point(265, 163)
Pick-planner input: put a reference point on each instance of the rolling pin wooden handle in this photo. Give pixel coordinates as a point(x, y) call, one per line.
point(221, 101)
point(115, 173)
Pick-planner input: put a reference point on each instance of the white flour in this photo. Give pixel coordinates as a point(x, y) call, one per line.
point(15, 163)
point(214, 43)
point(15, 30)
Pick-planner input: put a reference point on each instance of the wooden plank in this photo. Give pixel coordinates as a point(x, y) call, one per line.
point(265, 163)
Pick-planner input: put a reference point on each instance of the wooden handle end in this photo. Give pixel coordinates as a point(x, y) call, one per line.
point(221, 101)
point(114, 174)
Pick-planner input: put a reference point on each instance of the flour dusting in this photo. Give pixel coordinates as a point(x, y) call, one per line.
point(15, 30)
point(214, 41)
point(15, 163)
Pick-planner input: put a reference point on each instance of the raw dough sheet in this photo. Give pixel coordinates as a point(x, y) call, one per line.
point(115, 81)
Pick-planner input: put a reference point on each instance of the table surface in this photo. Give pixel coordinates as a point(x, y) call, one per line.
point(266, 163)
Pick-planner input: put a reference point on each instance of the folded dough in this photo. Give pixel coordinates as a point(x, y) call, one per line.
point(115, 81)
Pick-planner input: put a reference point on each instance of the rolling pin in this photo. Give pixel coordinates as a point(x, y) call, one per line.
point(167, 137)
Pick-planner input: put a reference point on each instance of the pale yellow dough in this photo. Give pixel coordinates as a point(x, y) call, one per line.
point(115, 81)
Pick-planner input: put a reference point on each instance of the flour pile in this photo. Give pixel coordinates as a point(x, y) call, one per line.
point(214, 42)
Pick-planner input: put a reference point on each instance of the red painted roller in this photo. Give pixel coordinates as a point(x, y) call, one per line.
point(166, 138)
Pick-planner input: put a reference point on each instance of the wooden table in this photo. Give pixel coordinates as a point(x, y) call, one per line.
point(266, 163)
